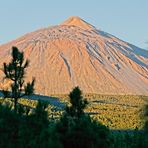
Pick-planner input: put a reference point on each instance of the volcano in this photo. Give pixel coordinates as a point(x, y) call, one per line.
point(75, 53)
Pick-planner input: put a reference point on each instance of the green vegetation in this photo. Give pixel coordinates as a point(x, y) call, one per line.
point(146, 123)
point(115, 111)
point(76, 129)
point(104, 121)
point(73, 128)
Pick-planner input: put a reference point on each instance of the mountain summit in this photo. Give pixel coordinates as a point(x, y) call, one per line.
point(77, 21)
point(76, 53)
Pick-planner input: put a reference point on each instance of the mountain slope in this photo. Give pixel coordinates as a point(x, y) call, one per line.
point(76, 53)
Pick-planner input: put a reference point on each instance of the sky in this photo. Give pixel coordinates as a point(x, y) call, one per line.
point(126, 19)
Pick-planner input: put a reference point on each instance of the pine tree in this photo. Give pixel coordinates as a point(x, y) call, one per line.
point(76, 129)
point(15, 72)
point(78, 104)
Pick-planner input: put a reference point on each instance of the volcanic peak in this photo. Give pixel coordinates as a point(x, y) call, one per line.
point(78, 22)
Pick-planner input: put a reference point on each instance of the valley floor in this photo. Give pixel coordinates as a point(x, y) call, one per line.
point(122, 112)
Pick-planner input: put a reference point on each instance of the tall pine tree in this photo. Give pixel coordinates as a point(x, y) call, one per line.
point(78, 103)
point(15, 72)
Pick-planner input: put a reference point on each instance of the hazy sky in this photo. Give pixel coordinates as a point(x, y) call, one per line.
point(126, 19)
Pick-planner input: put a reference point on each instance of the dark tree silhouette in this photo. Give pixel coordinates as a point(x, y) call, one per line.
point(15, 72)
point(146, 119)
point(78, 104)
point(146, 125)
point(77, 130)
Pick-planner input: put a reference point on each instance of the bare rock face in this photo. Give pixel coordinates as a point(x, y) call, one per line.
point(76, 53)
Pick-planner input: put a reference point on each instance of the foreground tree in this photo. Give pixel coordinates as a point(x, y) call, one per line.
point(146, 119)
point(26, 131)
point(146, 125)
point(78, 104)
point(15, 72)
point(76, 129)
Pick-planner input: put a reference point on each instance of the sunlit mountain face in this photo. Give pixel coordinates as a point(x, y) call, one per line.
point(76, 53)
